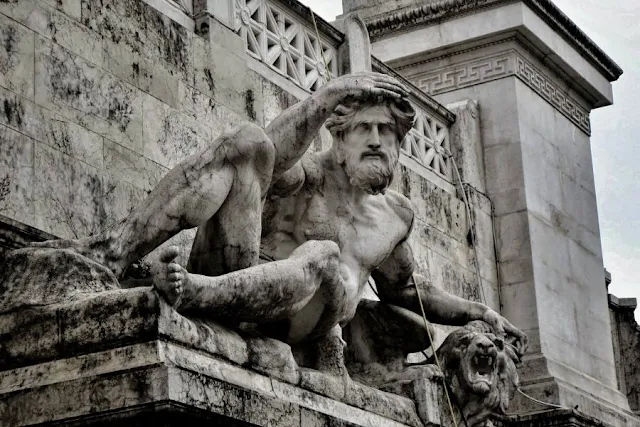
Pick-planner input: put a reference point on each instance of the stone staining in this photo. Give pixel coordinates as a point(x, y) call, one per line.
point(16, 58)
point(293, 265)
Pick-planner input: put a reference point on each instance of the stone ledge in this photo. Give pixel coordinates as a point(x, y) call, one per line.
point(133, 380)
point(552, 418)
point(122, 353)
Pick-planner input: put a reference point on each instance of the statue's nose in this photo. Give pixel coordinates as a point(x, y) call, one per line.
point(374, 138)
point(486, 345)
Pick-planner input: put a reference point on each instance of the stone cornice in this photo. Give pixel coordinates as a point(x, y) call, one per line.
point(441, 10)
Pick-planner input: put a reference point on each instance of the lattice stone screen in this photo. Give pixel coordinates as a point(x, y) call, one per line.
point(428, 143)
point(281, 40)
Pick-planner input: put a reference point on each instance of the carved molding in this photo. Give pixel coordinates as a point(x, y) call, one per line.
point(553, 94)
point(465, 74)
point(498, 66)
point(442, 10)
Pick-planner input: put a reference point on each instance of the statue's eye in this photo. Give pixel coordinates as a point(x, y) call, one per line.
point(363, 127)
point(385, 129)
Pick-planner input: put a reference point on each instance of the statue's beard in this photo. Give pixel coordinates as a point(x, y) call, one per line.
point(371, 174)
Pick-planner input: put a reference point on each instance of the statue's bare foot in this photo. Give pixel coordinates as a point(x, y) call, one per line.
point(96, 248)
point(169, 278)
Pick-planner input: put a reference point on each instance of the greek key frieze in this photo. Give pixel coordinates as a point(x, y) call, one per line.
point(463, 75)
point(553, 94)
point(511, 63)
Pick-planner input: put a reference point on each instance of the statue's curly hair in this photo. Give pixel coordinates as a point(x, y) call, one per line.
point(401, 110)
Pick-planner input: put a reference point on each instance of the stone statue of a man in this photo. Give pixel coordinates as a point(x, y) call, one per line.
point(286, 243)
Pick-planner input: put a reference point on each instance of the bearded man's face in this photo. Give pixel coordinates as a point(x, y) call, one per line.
point(369, 149)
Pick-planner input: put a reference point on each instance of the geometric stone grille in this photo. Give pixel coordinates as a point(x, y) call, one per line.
point(285, 43)
point(428, 143)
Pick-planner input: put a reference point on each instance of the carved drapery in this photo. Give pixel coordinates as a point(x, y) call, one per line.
point(285, 43)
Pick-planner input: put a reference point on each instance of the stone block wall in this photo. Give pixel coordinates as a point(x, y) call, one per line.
point(98, 99)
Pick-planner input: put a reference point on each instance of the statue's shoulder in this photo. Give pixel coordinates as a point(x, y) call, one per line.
point(401, 205)
point(314, 168)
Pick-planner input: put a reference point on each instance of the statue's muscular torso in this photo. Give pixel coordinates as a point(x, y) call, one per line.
point(366, 230)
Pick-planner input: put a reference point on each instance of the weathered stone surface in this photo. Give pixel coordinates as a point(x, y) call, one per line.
point(16, 57)
point(76, 141)
point(130, 166)
point(60, 28)
point(273, 358)
point(91, 343)
point(24, 116)
point(68, 194)
point(16, 176)
point(36, 277)
point(84, 93)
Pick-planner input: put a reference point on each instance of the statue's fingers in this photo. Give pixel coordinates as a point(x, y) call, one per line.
point(169, 253)
point(174, 267)
point(386, 93)
point(391, 81)
point(391, 87)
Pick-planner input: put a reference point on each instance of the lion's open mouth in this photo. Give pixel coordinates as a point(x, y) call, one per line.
point(481, 369)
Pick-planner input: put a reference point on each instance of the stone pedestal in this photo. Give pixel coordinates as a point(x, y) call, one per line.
point(536, 77)
point(125, 358)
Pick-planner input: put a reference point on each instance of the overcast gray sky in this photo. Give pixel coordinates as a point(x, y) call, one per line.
point(613, 25)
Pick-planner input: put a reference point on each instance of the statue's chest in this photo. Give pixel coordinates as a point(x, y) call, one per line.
point(366, 235)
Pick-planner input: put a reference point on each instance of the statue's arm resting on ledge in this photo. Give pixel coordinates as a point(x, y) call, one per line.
point(398, 284)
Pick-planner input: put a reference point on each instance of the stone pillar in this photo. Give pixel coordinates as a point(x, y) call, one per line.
point(536, 77)
point(625, 333)
point(355, 52)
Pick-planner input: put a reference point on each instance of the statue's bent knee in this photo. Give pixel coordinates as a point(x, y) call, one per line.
point(251, 141)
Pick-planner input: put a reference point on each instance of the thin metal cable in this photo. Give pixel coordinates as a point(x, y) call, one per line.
point(435, 355)
point(552, 405)
point(324, 61)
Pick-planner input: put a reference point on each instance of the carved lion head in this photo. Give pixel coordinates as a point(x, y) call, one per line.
point(480, 369)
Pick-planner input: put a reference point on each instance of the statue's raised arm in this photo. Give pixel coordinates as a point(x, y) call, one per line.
point(293, 131)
